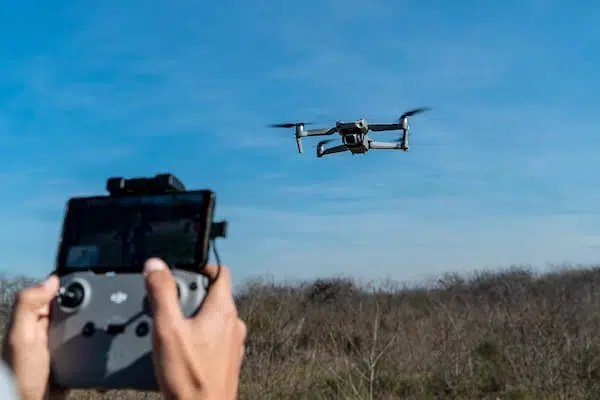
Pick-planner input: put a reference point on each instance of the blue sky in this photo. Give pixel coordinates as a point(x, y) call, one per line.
point(503, 170)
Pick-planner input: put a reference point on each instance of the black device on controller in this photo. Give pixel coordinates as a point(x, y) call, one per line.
point(140, 218)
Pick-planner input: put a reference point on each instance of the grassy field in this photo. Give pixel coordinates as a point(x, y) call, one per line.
point(502, 335)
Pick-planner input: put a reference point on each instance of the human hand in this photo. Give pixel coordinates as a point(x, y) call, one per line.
point(197, 358)
point(25, 347)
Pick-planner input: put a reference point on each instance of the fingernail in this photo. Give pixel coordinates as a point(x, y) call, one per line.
point(154, 264)
point(48, 281)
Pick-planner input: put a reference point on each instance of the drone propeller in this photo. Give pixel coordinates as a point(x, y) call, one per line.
point(299, 127)
point(414, 111)
point(403, 121)
point(290, 124)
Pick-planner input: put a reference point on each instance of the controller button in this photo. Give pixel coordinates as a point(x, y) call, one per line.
point(193, 286)
point(73, 295)
point(115, 329)
point(178, 291)
point(88, 329)
point(142, 329)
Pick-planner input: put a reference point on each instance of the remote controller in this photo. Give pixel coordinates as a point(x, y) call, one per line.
point(100, 334)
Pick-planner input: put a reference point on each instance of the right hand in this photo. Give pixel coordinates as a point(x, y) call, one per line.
point(200, 357)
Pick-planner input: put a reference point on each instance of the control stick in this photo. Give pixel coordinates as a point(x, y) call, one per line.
point(72, 296)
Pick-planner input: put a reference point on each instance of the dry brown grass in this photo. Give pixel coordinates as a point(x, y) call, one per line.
point(503, 335)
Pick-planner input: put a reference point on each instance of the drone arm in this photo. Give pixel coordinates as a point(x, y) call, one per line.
point(387, 146)
point(319, 132)
point(384, 127)
point(322, 151)
point(301, 133)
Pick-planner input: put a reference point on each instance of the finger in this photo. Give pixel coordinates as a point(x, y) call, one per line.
point(220, 277)
point(242, 330)
point(242, 334)
point(212, 272)
point(162, 292)
point(219, 296)
point(30, 304)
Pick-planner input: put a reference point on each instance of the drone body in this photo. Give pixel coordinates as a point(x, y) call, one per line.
point(355, 135)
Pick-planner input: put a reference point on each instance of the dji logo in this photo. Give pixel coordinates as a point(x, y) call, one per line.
point(118, 297)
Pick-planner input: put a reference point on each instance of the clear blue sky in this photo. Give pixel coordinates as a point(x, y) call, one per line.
point(505, 169)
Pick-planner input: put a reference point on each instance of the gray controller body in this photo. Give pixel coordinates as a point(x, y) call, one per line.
point(105, 342)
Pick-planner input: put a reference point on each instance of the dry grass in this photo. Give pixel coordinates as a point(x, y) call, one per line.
point(503, 335)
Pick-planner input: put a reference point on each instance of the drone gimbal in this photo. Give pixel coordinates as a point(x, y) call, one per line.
point(355, 134)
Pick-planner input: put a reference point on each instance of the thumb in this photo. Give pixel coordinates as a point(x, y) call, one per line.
point(162, 291)
point(32, 303)
point(35, 299)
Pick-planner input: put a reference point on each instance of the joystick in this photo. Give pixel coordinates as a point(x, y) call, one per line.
point(72, 296)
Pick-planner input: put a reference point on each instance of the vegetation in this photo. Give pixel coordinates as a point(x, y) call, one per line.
point(503, 335)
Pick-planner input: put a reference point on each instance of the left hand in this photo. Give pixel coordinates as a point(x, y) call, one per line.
point(25, 347)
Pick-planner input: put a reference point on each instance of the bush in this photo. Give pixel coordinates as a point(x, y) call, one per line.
point(494, 335)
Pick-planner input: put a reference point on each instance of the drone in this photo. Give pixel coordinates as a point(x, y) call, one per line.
point(355, 135)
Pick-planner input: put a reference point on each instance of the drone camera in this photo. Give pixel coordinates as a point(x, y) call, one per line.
point(161, 183)
point(350, 139)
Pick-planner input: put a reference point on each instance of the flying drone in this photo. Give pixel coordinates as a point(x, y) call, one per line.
point(355, 135)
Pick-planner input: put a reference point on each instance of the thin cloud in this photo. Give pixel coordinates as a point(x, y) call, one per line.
point(402, 243)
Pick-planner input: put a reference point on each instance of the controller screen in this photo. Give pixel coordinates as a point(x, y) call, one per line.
point(110, 232)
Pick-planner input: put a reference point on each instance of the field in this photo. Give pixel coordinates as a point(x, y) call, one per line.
point(511, 334)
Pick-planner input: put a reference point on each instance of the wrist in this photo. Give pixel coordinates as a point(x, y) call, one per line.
point(197, 396)
point(190, 395)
